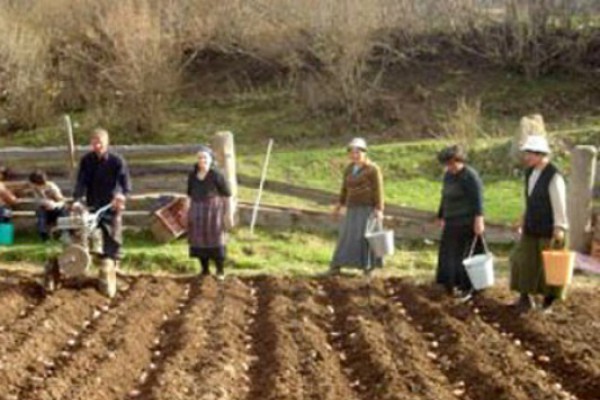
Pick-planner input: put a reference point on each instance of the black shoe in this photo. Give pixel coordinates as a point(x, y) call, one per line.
point(524, 303)
point(204, 272)
point(547, 303)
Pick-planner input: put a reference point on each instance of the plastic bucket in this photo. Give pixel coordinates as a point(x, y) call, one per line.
point(381, 242)
point(7, 234)
point(558, 266)
point(480, 269)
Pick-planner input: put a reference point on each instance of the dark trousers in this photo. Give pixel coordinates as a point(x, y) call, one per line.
point(46, 219)
point(111, 226)
point(454, 248)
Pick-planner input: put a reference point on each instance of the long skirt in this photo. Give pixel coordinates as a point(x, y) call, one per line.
point(206, 228)
point(352, 248)
point(527, 268)
point(454, 248)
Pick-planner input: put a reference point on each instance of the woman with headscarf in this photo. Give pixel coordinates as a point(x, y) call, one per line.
point(543, 224)
point(362, 197)
point(207, 189)
point(461, 218)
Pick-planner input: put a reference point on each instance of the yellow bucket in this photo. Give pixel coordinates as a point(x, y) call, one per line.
point(558, 267)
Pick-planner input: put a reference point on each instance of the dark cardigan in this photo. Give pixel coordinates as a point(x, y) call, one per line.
point(213, 184)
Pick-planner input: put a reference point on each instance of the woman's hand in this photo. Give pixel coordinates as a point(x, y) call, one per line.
point(479, 225)
point(440, 222)
point(337, 210)
point(379, 215)
point(559, 236)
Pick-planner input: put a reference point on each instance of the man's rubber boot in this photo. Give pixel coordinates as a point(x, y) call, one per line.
point(107, 284)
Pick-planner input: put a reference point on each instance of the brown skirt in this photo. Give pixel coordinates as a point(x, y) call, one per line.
point(206, 227)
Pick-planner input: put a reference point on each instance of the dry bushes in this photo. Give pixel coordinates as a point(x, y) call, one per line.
point(125, 62)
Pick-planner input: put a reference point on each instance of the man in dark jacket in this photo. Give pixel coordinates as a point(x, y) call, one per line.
point(103, 178)
point(544, 222)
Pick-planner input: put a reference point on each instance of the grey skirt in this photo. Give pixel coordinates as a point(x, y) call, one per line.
point(352, 248)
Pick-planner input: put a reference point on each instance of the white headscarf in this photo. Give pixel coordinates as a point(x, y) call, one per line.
point(208, 154)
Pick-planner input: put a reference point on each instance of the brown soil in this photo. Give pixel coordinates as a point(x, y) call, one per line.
point(290, 338)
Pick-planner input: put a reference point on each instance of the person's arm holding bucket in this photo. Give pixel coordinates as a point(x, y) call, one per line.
point(474, 188)
point(558, 199)
point(379, 194)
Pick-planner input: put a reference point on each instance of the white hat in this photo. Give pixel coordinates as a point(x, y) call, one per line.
point(358, 143)
point(536, 144)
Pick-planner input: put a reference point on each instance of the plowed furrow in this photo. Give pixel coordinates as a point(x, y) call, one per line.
point(17, 303)
point(111, 363)
point(221, 370)
point(183, 345)
point(215, 366)
point(578, 372)
point(363, 344)
point(181, 341)
point(28, 348)
point(62, 361)
point(459, 348)
point(410, 347)
point(518, 368)
point(276, 373)
point(320, 366)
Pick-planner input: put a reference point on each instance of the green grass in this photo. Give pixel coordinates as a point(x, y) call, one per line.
point(412, 176)
point(292, 253)
point(297, 253)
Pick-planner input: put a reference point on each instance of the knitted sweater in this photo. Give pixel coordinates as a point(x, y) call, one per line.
point(363, 189)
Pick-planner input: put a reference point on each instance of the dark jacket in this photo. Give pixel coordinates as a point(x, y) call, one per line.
point(539, 217)
point(214, 184)
point(462, 196)
point(100, 178)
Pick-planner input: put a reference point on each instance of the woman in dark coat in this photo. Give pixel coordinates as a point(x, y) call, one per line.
point(461, 218)
point(207, 190)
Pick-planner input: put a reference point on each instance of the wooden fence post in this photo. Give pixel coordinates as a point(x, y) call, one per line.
point(224, 150)
point(580, 196)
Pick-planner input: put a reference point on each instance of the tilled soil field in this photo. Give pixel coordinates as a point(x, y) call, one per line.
point(289, 338)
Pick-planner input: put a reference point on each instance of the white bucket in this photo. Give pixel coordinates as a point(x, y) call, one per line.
point(480, 267)
point(381, 242)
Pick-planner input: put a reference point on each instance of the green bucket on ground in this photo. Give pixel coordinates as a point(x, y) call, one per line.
point(7, 234)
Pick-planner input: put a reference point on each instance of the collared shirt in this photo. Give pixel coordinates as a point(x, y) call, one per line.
point(100, 178)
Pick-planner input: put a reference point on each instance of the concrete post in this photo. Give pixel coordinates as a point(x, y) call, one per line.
point(224, 151)
point(580, 197)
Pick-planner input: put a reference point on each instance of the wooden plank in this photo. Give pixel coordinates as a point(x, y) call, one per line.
point(56, 153)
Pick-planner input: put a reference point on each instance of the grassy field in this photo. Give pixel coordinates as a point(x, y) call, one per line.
point(288, 253)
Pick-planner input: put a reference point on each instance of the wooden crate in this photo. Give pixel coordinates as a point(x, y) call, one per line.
point(170, 221)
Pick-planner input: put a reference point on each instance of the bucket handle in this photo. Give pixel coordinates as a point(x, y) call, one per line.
point(557, 245)
point(373, 225)
point(485, 246)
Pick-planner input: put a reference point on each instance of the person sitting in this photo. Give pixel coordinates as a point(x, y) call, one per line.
point(7, 198)
point(49, 200)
